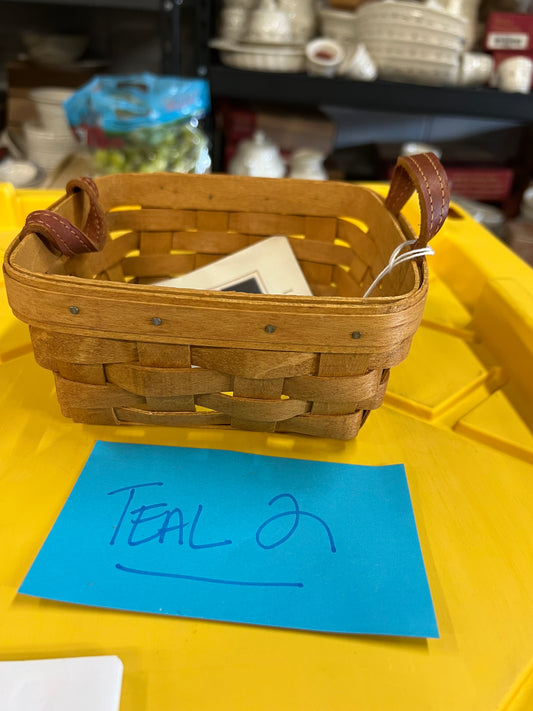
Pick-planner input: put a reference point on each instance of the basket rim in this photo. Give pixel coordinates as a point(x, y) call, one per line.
point(201, 320)
point(170, 294)
point(112, 192)
point(151, 312)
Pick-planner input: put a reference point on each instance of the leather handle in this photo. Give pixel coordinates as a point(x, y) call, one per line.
point(425, 174)
point(65, 236)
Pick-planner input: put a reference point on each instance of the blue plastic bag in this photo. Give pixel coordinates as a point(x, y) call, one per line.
point(142, 122)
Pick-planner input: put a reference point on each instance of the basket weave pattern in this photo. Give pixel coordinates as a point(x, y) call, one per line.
point(125, 351)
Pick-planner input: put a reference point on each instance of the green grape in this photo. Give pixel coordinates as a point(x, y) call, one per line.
point(177, 147)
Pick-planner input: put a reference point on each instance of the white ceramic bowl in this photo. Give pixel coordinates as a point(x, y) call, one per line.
point(387, 31)
point(49, 102)
point(411, 50)
point(20, 173)
point(338, 25)
point(47, 148)
point(54, 49)
point(414, 71)
point(412, 42)
point(424, 15)
point(261, 58)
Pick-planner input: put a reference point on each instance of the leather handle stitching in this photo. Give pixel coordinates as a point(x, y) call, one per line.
point(442, 191)
point(95, 223)
point(424, 177)
point(61, 243)
point(402, 188)
point(434, 226)
point(65, 224)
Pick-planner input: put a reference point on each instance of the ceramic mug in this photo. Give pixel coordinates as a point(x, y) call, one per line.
point(476, 68)
point(514, 74)
point(323, 57)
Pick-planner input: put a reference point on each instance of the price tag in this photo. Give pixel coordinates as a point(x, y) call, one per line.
point(507, 40)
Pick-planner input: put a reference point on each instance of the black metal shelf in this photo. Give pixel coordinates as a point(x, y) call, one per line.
point(379, 95)
point(112, 4)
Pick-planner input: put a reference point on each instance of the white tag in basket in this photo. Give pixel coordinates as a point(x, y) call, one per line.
point(268, 267)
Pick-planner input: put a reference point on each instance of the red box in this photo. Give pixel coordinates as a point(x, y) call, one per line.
point(488, 184)
point(236, 121)
point(509, 31)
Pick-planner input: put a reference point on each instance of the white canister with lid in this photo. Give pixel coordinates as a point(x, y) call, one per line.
point(269, 24)
point(302, 16)
point(258, 157)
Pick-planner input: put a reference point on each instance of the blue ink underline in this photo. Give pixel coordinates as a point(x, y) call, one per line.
point(180, 576)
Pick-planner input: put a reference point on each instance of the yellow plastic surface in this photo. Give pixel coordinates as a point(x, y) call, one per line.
point(458, 414)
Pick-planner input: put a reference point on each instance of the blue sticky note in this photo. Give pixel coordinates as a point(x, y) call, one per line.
point(222, 535)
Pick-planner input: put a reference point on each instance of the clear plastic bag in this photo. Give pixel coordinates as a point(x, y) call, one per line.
point(142, 123)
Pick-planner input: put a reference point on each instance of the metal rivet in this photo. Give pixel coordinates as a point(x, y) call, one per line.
point(157, 321)
point(74, 309)
point(356, 334)
point(270, 329)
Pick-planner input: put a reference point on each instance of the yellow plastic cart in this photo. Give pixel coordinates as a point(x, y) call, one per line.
point(458, 414)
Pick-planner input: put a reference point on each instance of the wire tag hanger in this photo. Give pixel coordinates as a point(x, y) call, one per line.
point(398, 258)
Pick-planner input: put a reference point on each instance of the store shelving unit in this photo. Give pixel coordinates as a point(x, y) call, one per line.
point(395, 97)
point(299, 88)
point(186, 27)
point(378, 95)
point(170, 14)
point(113, 4)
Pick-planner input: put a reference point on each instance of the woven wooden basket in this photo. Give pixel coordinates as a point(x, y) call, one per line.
point(125, 351)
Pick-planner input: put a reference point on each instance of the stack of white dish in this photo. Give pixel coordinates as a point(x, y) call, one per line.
point(338, 25)
point(413, 42)
point(260, 57)
point(267, 36)
point(51, 139)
